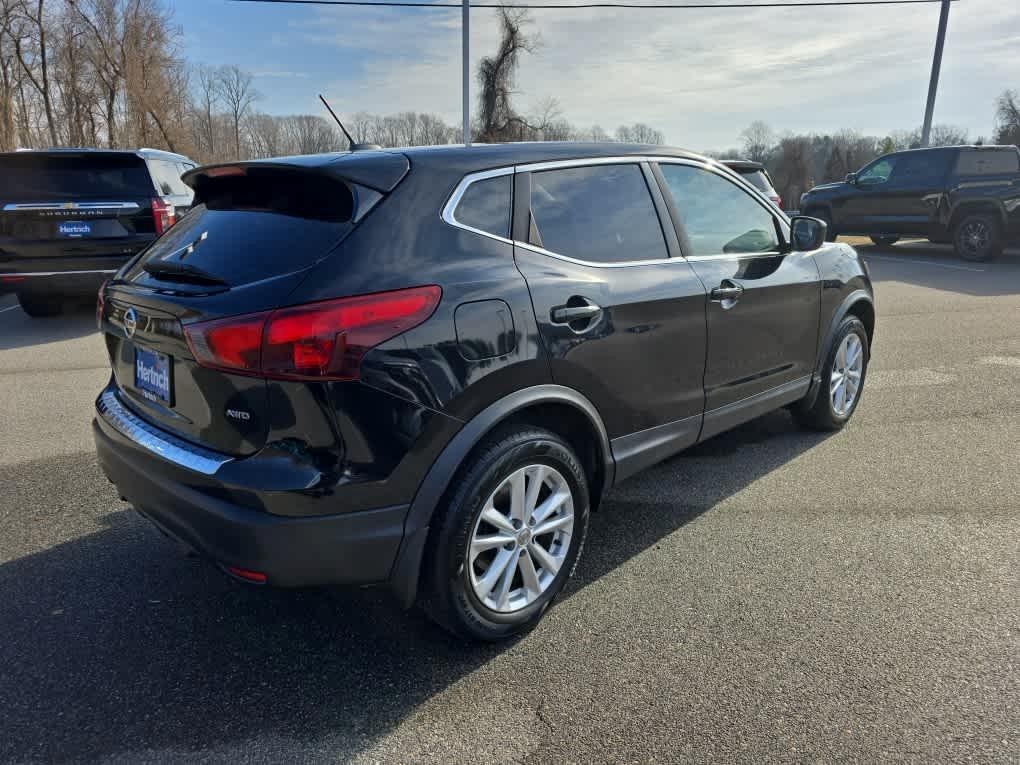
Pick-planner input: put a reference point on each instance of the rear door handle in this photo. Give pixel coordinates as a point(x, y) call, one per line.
point(566, 314)
point(727, 291)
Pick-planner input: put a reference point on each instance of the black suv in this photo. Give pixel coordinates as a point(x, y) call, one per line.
point(967, 195)
point(69, 218)
point(425, 367)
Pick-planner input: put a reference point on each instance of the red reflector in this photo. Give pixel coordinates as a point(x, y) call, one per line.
point(252, 576)
point(101, 305)
point(12, 279)
point(317, 341)
point(224, 172)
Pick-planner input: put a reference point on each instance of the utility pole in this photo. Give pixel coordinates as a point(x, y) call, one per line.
point(936, 65)
point(465, 46)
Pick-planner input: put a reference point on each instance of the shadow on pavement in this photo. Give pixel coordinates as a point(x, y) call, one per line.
point(18, 330)
point(113, 643)
point(936, 266)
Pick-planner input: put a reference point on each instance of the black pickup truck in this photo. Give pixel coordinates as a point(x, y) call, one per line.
point(966, 195)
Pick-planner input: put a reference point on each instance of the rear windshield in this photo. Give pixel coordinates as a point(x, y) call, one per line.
point(757, 179)
point(987, 162)
point(254, 227)
point(68, 177)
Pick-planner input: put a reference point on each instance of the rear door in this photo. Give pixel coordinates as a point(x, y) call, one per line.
point(67, 211)
point(911, 199)
point(621, 315)
point(764, 301)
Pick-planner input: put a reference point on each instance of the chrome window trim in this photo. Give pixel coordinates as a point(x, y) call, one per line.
point(125, 206)
point(458, 193)
point(449, 208)
point(163, 445)
point(59, 273)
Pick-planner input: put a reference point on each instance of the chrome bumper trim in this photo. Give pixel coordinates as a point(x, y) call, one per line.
point(164, 445)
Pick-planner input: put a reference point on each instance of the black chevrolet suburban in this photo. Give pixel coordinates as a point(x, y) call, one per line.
point(69, 218)
point(966, 195)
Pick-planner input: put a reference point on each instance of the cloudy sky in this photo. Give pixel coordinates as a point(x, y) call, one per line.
point(700, 76)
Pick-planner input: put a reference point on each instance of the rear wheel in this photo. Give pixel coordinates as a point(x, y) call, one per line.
point(38, 307)
point(842, 379)
point(885, 241)
point(509, 536)
point(978, 237)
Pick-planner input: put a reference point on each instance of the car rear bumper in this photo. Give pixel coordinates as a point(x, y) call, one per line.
point(60, 277)
point(170, 484)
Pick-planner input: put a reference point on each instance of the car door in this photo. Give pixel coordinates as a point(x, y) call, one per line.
point(865, 209)
point(910, 201)
point(764, 299)
point(621, 314)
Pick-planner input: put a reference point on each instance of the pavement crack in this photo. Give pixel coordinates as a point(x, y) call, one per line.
point(540, 714)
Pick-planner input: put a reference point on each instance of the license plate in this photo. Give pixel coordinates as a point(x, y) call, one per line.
point(152, 375)
point(74, 229)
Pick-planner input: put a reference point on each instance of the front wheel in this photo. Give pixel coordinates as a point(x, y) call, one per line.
point(842, 379)
point(509, 536)
point(885, 241)
point(978, 238)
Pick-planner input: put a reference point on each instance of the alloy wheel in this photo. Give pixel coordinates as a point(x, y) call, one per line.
point(975, 238)
point(847, 371)
point(521, 538)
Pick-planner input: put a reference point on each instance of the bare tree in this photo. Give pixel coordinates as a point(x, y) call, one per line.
point(239, 95)
point(309, 134)
point(32, 51)
point(1007, 118)
point(758, 141)
point(639, 133)
point(497, 119)
point(948, 135)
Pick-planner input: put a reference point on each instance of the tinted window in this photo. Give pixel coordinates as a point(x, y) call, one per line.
point(759, 180)
point(29, 176)
point(879, 172)
point(602, 214)
point(987, 162)
point(168, 178)
point(258, 226)
point(920, 167)
point(719, 216)
point(486, 206)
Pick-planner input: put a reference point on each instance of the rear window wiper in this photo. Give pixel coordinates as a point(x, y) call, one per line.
point(171, 271)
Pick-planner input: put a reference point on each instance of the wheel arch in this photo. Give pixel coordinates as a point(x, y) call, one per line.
point(858, 303)
point(977, 207)
point(563, 410)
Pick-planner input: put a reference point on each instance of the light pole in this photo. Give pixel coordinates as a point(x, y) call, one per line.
point(465, 46)
point(936, 65)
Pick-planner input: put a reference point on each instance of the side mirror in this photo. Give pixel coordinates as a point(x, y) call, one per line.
point(806, 233)
point(851, 178)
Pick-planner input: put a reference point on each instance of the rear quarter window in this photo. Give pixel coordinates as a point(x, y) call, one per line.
point(997, 162)
point(167, 176)
point(485, 206)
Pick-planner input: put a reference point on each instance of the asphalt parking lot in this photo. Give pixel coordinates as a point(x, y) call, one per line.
point(769, 595)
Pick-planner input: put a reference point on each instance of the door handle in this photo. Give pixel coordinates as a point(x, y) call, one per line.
point(582, 310)
point(727, 291)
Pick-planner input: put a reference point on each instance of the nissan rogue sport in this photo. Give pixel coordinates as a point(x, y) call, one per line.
point(426, 367)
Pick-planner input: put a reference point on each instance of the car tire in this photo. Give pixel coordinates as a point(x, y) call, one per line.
point(825, 215)
point(828, 412)
point(885, 241)
point(978, 237)
point(463, 590)
point(38, 307)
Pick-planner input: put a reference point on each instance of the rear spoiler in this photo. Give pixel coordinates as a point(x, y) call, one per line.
point(378, 170)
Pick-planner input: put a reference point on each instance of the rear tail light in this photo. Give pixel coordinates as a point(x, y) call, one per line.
point(317, 341)
point(256, 577)
point(163, 214)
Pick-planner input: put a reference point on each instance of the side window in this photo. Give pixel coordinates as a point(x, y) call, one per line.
point(878, 172)
point(987, 162)
point(168, 178)
point(599, 213)
point(486, 206)
point(920, 167)
point(719, 216)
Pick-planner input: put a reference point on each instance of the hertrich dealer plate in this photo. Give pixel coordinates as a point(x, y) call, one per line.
point(152, 375)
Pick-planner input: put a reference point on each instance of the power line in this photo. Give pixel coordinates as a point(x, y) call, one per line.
point(569, 6)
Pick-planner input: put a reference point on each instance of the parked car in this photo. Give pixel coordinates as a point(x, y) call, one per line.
point(967, 195)
point(756, 174)
point(424, 367)
point(69, 218)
